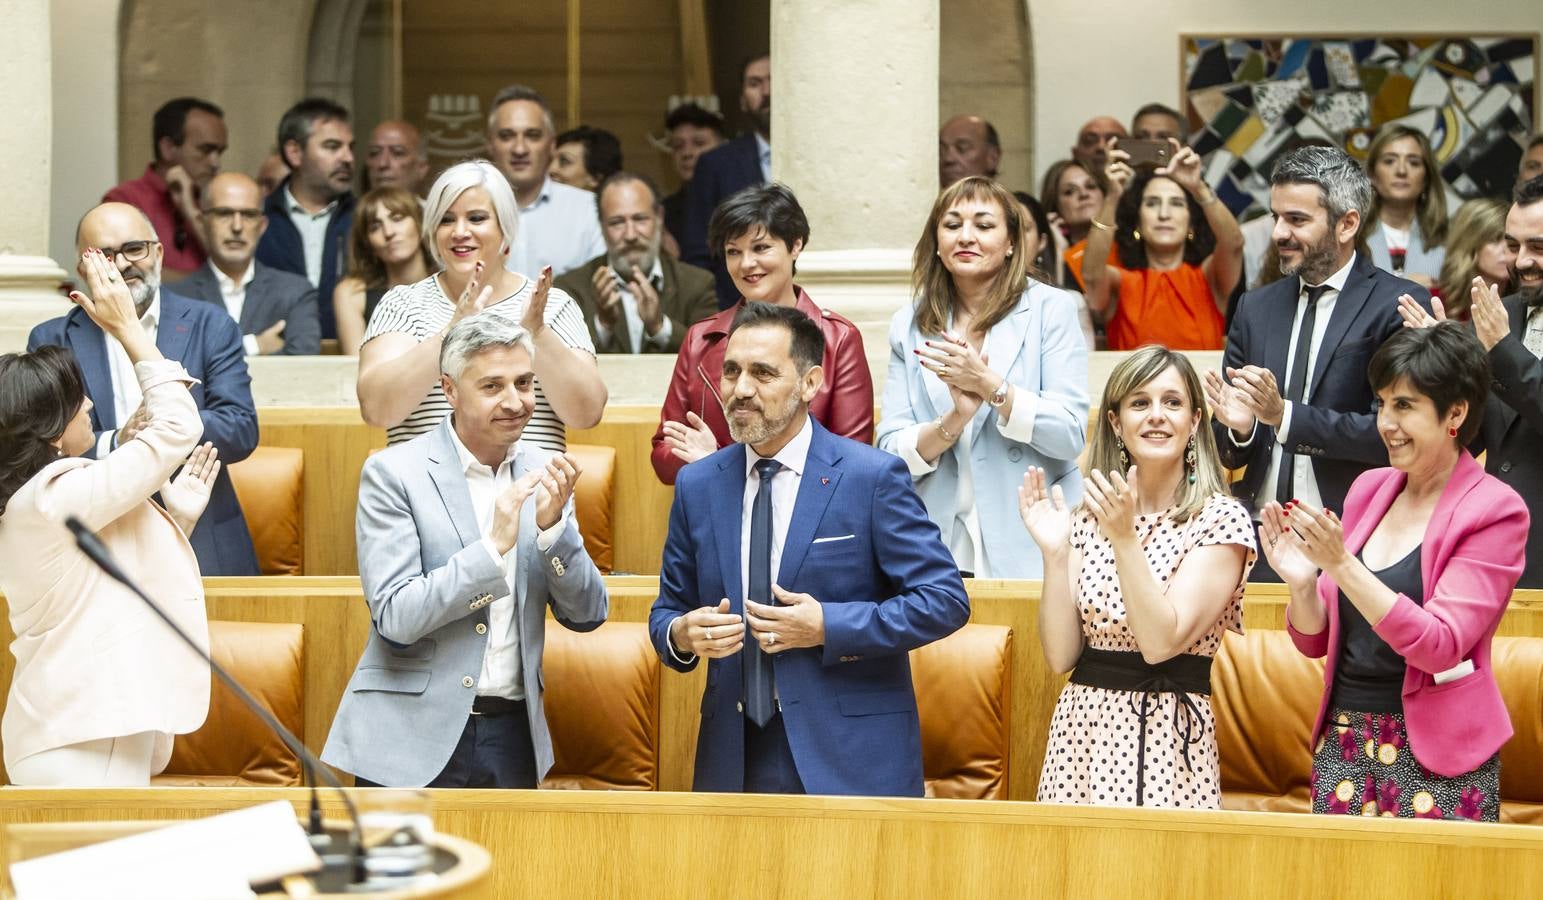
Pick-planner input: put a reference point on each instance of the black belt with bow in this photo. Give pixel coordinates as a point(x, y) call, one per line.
point(1117, 670)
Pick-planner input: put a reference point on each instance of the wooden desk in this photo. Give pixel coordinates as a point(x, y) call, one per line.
point(618, 844)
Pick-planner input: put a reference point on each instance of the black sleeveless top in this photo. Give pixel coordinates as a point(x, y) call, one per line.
point(371, 300)
point(1370, 674)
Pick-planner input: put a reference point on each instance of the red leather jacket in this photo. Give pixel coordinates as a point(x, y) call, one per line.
point(844, 404)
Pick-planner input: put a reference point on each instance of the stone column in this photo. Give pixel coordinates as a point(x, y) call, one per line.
point(854, 134)
point(29, 279)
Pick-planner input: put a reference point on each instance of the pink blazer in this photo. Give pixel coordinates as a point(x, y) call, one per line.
point(92, 661)
point(1472, 556)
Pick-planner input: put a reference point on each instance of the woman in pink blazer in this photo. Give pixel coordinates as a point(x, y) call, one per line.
point(101, 684)
point(1413, 585)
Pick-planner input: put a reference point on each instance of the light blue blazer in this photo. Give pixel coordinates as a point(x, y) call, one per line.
point(1040, 349)
point(1418, 259)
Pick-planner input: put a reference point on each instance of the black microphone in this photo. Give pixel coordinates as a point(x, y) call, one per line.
point(92, 546)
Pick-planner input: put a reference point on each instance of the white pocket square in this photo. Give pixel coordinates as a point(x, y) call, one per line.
point(828, 540)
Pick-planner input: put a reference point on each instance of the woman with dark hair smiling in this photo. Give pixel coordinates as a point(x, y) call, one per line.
point(759, 232)
point(1180, 256)
point(1404, 596)
point(101, 684)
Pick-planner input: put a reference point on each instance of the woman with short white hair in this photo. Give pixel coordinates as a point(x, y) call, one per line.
point(471, 218)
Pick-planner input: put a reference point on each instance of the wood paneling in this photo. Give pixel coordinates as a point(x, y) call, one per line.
point(621, 844)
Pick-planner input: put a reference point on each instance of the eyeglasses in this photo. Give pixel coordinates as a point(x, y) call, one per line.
point(226, 214)
point(133, 251)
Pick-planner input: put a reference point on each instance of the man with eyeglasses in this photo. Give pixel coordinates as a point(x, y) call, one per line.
point(636, 299)
point(275, 309)
point(189, 139)
point(204, 339)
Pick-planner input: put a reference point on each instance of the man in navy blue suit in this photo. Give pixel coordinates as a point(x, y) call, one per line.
point(202, 336)
point(808, 680)
point(741, 163)
point(1292, 405)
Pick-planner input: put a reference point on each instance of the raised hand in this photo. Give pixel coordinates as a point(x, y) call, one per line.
point(135, 423)
point(608, 308)
point(1228, 405)
point(1322, 538)
point(648, 303)
point(506, 510)
point(958, 365)
point(534, 319)
point(1113, 501)
point(691, 440)
point(1283, 548)
point(475, 297)
point(187, 495)
point(1490, 321)
point(1117, 171)
point(1260, 393)
point(107, 299)
point(1415, 316)
point(557, 482)
point(1184, 168)
point(1044, 513)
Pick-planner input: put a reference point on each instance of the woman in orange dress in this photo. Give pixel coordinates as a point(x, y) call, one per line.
point(1180, 255)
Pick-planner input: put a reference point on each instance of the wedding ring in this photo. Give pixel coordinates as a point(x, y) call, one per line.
point(771, 637)
point(709, 633)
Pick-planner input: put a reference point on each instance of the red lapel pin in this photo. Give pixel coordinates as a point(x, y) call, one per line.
point(824, 481)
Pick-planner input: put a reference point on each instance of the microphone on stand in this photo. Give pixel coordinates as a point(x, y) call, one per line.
point(92, 546)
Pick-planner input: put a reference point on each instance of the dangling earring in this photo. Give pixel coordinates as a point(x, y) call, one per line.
point(1124, 457)
point(1136, 233)
point(1189, 459)
point(1190, 236)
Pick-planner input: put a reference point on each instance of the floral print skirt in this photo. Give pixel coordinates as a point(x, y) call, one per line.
point(1364, 767)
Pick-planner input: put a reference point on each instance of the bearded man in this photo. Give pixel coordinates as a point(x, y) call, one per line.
point(804, 568)
point(201, 336)
point(1292, 403)
point(635, 299)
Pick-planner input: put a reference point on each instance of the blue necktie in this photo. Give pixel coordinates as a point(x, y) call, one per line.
point(757, 664)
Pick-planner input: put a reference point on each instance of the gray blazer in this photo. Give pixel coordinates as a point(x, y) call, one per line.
point(273, 295)
point(428, 581)
point(1418, 258)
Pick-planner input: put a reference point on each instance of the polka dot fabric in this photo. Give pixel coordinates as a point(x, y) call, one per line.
point(1091, 756)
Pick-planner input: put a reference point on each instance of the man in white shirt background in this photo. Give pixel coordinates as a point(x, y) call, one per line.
point(557, 221)
point(276, 310)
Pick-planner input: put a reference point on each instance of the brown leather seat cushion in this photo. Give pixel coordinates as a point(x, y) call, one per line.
point(270, 486)
point(963, 696)
point(602, 705)
point(594, 501)
point(1266, 695)
point(234, 747)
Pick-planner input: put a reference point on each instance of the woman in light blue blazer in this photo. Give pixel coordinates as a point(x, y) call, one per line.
point(1406, 227)
point(988, 375)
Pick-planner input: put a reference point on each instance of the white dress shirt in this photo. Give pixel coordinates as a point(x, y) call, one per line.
point(560, 229)
point(1304, 481)
point(629, 307)
point(234, 294)
point(763, 153)
point(501, 673)
point(126, 391)
point(313, 233)
point(794, 455)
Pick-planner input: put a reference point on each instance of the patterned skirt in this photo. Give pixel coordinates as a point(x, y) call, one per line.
point(1364, 766)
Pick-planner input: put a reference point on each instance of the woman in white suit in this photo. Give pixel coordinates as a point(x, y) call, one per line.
point(101, 683)
point(988, 375)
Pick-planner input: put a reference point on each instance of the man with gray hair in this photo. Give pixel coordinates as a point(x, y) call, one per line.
point(557, 221)
point(466, 536)
point(1292, 403)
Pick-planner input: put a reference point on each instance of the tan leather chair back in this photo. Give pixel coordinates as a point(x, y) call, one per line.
point(964, 698)
point(270, 486)
point(602, 705)
point(1265, 696)
point(594, 501)
point(1518, 667)
point(234, 748)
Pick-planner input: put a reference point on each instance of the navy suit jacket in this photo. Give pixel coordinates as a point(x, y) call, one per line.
point(272, 295)
point(1337, 428)
point(206, 340)
point(720, 172)
point(282, 248)
point(860, 543)
point(1512, 430)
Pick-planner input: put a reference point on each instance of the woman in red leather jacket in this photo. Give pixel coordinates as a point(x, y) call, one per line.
point(759, 231)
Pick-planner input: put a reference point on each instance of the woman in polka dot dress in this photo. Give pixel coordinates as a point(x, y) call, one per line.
point(1412, 588)
point(1141, 583)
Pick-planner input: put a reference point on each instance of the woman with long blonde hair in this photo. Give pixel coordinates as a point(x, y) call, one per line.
point(1407, 223)
point(988, 373)
point(1141, 583)
point(1475, 247)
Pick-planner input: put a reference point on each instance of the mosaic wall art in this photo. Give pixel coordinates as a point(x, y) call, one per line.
point(1250, 99)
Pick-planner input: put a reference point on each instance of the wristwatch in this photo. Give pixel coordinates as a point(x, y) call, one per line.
point(999, 396)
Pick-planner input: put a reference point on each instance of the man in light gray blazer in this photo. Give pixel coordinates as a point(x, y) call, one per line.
point(275, 309)
point(466, 536)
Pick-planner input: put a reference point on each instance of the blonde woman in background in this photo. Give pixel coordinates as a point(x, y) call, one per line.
point(1407, 223)
point(385, 249)
point(1476, 247)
